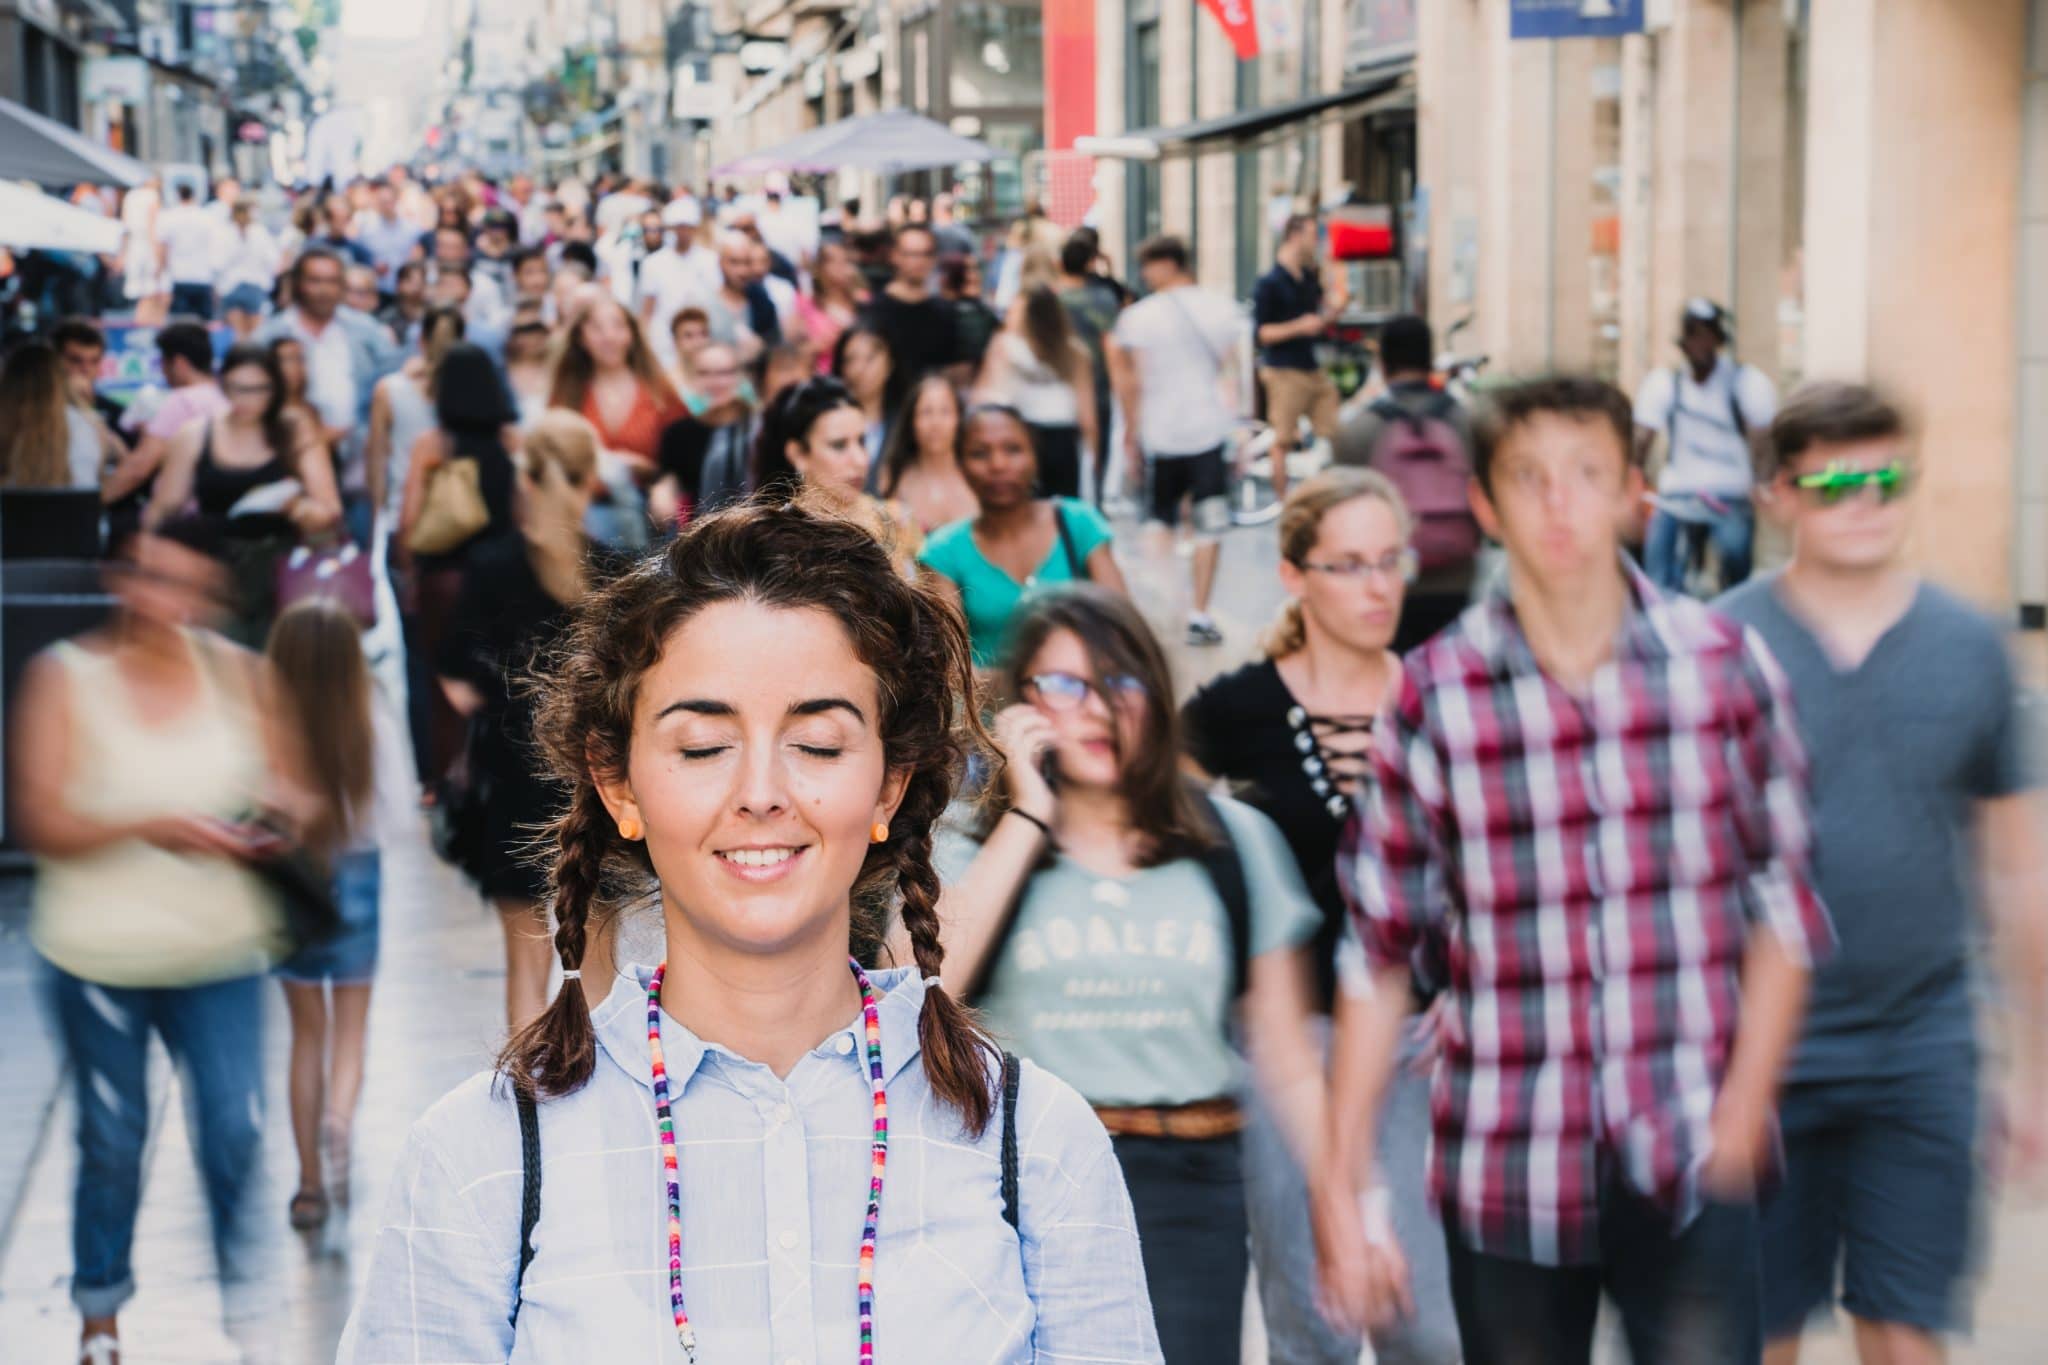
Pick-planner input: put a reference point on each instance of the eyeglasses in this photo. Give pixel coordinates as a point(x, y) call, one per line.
point(1397, 566)
point(1838, 483)
point(246, 390)
point(1069, 691)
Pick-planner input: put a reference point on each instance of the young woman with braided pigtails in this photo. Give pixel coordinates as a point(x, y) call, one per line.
point(768, 1146)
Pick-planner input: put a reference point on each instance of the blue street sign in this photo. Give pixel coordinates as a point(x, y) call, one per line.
point(1574, 18)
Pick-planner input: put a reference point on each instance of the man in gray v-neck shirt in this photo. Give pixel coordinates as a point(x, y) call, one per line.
point(1910, 714)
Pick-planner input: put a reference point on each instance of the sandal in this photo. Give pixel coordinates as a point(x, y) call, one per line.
point(100, 1348)
point(308, 1209)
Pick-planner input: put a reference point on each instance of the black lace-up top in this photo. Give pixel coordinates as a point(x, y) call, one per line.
point(1300, 769)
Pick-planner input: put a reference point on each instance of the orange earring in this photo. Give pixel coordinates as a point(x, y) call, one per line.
point(879, 834)
point(629, 828)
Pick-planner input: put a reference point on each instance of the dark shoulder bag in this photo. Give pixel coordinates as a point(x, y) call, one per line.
point(529, 1189)
point(1076, 565)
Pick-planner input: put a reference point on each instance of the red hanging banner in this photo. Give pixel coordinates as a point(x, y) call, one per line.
point(1240, 25)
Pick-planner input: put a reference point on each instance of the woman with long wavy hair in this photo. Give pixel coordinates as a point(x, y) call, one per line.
point(605, 370)
point(316, 653)
point(921, 463)
point(1038, 365)
point(768, 1140)
point(45, 442)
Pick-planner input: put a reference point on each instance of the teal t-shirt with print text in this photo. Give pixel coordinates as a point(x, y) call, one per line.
point(1121, 987)
point(988, 594)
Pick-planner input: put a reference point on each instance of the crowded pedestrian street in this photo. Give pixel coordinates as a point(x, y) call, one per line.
point(1144, 682)
point(438, 1017)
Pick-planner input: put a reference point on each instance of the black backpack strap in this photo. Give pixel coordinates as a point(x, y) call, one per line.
point(1735, 403)
point(1226, 872)
point(529, 1202)
point(1075, 565)
point(1011, 1074)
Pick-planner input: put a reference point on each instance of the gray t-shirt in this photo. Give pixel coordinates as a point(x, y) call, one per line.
point(1121, 986)
point(1901, 750)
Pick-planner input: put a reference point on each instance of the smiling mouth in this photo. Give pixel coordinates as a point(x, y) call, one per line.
point(759, 857)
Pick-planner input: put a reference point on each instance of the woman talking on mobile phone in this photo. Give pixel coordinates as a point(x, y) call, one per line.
point(767, 1146)
point(1110, 924)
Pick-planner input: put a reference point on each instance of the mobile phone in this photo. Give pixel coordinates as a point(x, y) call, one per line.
point(1049, 767)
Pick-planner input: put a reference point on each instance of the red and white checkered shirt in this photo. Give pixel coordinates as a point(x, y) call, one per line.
point(1591, 865)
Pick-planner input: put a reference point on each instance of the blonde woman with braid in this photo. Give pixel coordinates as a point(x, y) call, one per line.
point(768, 1146)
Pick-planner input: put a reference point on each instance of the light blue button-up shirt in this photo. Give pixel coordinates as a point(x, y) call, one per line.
point(774, 1175)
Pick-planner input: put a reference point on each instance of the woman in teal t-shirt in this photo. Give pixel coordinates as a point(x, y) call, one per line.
point(1091, 925)
point(1020, 542)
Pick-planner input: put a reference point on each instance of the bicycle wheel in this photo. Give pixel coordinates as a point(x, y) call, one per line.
point(1251, 496)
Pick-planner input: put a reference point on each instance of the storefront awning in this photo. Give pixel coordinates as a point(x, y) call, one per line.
point(45, 151)
point(1247, 126)
point(33, 221)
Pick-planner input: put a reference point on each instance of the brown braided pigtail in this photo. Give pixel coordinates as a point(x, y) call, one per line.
point(557, 1051)
point(956, 1050)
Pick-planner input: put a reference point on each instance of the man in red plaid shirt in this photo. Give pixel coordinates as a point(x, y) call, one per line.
point(1591, 801)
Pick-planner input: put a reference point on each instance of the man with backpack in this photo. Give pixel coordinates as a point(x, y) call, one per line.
point(1705, 410)
point(1421, 439)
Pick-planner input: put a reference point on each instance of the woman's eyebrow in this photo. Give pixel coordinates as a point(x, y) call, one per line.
point(818, 706)
point(704, 706)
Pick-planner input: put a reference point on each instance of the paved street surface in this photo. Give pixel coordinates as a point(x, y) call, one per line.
point(436, 1018)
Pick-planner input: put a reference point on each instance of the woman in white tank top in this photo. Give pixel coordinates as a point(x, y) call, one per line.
point(142, 752)
point(1039, 367)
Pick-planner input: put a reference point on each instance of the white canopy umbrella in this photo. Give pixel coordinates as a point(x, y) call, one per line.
point(33, 221)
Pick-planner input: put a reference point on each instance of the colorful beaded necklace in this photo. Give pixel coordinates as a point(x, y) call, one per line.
point(665, 1121)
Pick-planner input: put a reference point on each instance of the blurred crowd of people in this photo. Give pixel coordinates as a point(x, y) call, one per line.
point(1492, 942)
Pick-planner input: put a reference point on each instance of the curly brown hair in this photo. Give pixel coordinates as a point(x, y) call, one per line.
point(777, 554)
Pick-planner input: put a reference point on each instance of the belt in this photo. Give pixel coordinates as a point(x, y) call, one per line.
point(1190, 1122)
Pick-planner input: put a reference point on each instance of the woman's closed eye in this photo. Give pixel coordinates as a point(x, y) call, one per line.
point(823, 751)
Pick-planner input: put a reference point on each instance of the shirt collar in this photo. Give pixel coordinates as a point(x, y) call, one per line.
point(1647, 630)
point(620, 1024)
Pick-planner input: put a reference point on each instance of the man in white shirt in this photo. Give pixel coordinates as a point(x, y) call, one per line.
point(189, 247)
point(682, 274)
point(388, 235)
point(1173, 357)
point(347, 352)
point(1705, 410)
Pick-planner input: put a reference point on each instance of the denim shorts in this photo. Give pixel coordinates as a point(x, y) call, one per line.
point(1879, 1196)
point(350, 957)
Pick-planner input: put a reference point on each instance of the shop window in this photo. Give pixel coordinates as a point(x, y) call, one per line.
point(1245, 169)
point(1604, 265)
point(998, 56)
point(1141, 110)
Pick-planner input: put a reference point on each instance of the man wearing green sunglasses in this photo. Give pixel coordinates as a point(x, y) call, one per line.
point(1920, 793)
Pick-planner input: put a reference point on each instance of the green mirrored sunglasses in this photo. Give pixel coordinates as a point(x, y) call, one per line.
point(1837, 483)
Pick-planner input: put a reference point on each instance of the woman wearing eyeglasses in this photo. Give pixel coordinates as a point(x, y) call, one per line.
point(1292, 733)
point(1112, 921)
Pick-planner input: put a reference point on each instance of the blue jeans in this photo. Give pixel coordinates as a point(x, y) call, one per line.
point(1283, 1246)
point(1187, 1197)
point(192, 301)
point(215, 1037)
point(1693, 1297)
point(1666, 544)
